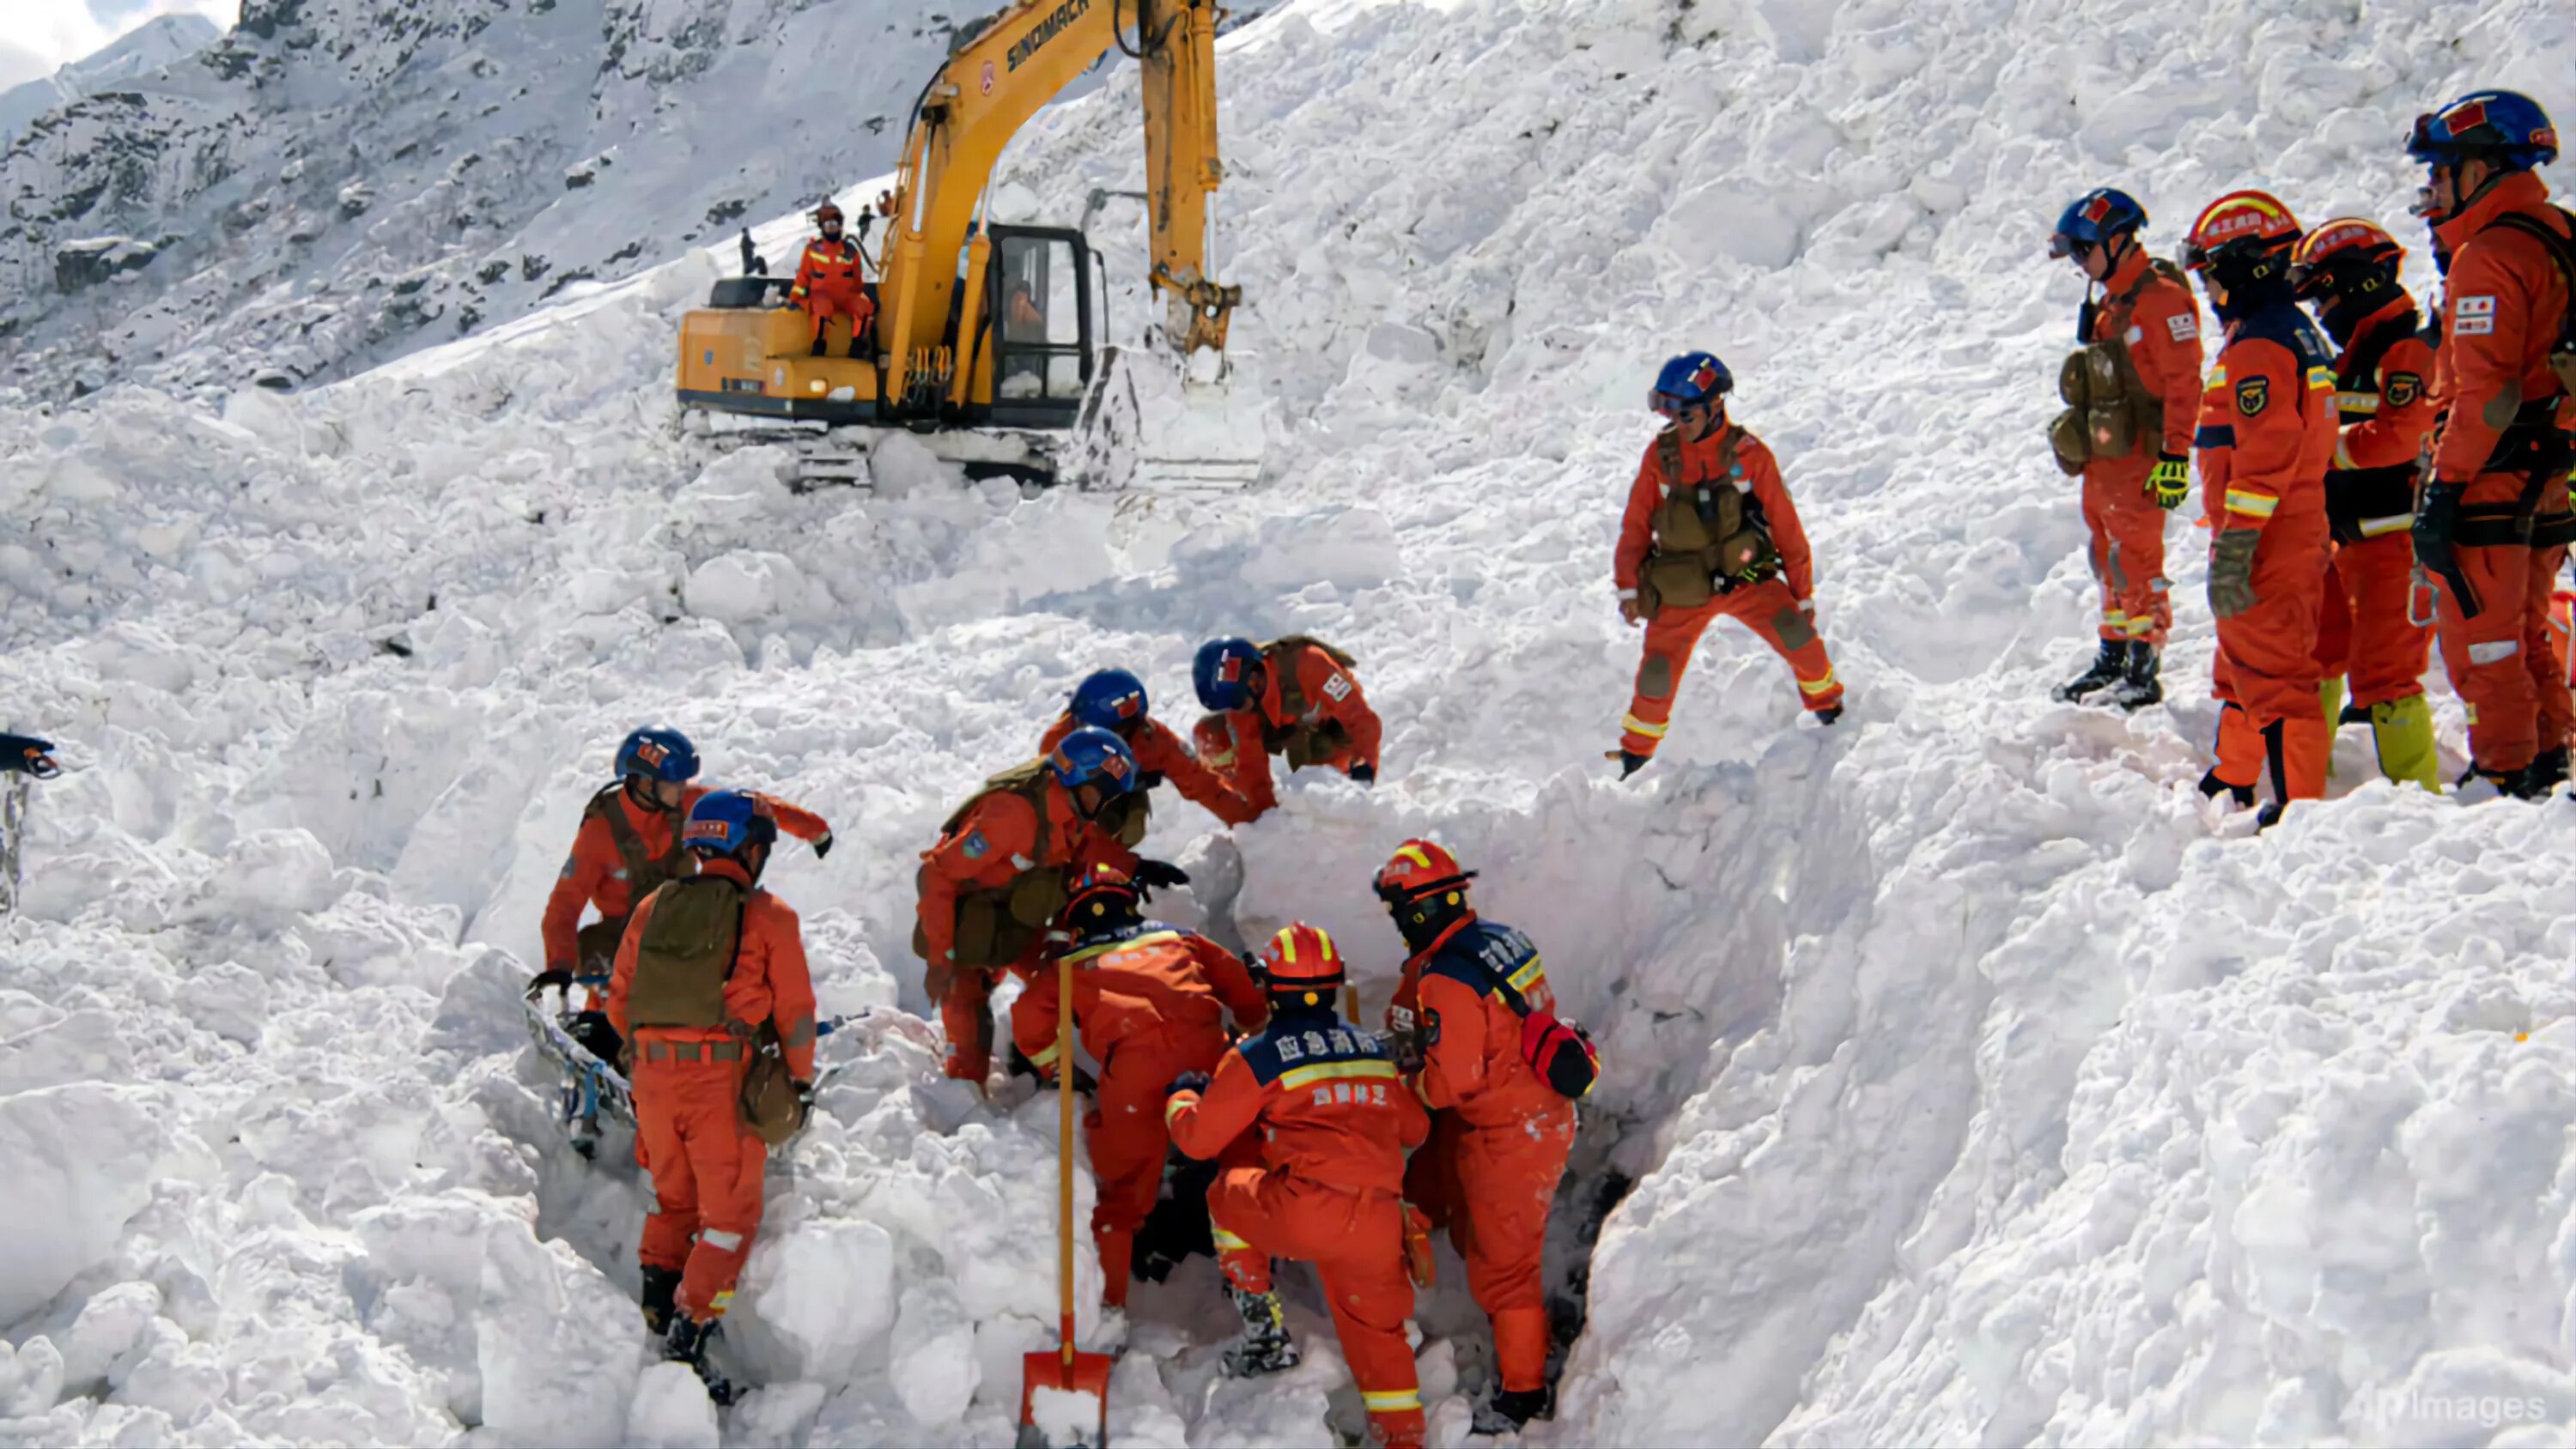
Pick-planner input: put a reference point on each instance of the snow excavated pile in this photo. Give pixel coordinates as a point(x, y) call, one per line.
point(1968, 1080)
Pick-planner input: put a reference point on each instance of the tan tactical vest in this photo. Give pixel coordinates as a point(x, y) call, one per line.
point(1703, 532)
point(687, 953)
point(996, 925)
point(2110, 413)
point(645, 874)
point(1301, 741)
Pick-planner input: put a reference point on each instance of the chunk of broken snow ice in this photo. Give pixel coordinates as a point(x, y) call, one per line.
point(827, 1288)
point(671, 1411)
point(1065, 1416)
point(80, 1164)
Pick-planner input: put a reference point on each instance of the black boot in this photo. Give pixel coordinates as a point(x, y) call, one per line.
point(1510, 1410)
point(2107, 667)
point(687, 1342)
point(2213, 787)
point(1630, 764)
point(1265, 1348)
point(661, 1295)
point(1828, 714)
point(819, 345)
point(2546, 772)
point(2139, 686)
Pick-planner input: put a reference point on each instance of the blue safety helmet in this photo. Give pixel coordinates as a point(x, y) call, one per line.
point(2094, 218)
point(658, 754)
point(728, 822)
point(1688, 381)
point(1091, 756)
point(1111, 699)
point(1222, 672)
point(2503, 127)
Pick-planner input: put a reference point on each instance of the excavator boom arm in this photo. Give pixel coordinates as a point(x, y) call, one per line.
point(998, 76)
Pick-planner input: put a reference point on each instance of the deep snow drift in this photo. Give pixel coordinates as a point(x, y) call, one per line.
point(1977, 1083)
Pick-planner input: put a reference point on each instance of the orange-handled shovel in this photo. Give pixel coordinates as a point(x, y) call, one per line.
point(1062, 1373)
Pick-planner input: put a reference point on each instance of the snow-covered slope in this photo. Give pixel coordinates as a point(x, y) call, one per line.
point(1974, 1081)
point(127, 62)
point(341, 181)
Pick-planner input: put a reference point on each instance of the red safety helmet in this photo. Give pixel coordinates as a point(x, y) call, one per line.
point(1101, 896)
point(1417, 869)
point(1302, 958)
point(2339, 254)
point(2241, 223)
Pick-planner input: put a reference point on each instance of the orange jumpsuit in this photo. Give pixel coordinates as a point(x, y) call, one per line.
point(2161, 323)
point(1335, 1122)
point(1500, 1135)
point(1236, 745)
point(999, 838)
point(2384, 396)
point(2504, 302)
point(596, 872)
point(831, 282)
point(1161, 755)
point(1772, 608)
point(1151, 1004)
point(2267, 435)
point(705, 1161)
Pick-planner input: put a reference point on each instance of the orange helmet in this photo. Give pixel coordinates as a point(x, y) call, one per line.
point(1302, 958)
point(2346, 254)
point(2241, 223)
point(1417, 869)
point(1102, 898)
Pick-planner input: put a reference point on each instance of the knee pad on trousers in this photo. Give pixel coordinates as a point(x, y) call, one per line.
point(1794, 630)
point(1655, 680)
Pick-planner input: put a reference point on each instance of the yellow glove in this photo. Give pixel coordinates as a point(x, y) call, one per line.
point(2171, 481)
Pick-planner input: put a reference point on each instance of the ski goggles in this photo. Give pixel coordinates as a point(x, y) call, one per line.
point(2062, 246)
point(1666, 405)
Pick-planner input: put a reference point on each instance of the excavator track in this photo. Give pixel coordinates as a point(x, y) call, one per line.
point(839, 457)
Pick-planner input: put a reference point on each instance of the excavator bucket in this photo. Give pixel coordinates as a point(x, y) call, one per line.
point(1150, 425)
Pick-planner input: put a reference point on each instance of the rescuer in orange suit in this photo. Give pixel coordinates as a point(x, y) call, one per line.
point(709, 961)
point(627, 846)
point(832, 281)
point(1004, 866)
point(1294, 697)
point(2494, 525)
point(2366, 635)
point(1321, 1180)
point(2134, 396)
point(1710, 531)
point(2267, 435)
point(1150, 1001)
point(1500, 1134)
point(1114, 700)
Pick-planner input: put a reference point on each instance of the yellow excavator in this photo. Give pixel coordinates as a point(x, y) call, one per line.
point(986, 336)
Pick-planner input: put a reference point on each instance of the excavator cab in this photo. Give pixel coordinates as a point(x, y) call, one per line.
point(1037, 325)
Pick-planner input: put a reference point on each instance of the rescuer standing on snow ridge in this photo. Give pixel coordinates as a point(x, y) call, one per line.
point(1294, 697)
point(831, 281)
point(1322, 1179)
point(712, 959)
point(2493, 526)
point(1150, 1001)
point(1710, 531)
point(2267, 435)
point(1500, 1131)
point(2347, 270)
point(2132, 395)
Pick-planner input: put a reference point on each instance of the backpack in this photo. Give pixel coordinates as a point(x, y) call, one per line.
point(1560, 1052)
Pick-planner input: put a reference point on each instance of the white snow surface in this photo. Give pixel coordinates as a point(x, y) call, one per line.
point(1977, 1083)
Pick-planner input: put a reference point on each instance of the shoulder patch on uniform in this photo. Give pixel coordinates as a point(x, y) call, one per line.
point(2403, 388)
point(2134, 336)
point(1338, 687)
point(2473, 317)
point(571, 863)
point(975, 845)
point(2183, 325)
point(2253, 394)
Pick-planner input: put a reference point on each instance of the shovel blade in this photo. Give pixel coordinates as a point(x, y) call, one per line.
point(1052, 1390)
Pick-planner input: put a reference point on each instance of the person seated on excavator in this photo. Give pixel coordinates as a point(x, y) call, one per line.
point(627, 846)
point(831, 282)
point(1295, 697)
point(1114, 700)
point(1004, 865)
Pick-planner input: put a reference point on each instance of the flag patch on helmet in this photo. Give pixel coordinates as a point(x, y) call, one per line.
point(650, 753)
point(2466, 116)
point(2097, 209)
point(714, 830)
point(1229, 670)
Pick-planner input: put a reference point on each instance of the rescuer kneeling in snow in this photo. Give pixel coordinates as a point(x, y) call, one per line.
point(1151, 1002)
point(1295, 698)
point(1710, 530)
point(1473, 1026)
point(1322, 1179)
point(708, 963)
